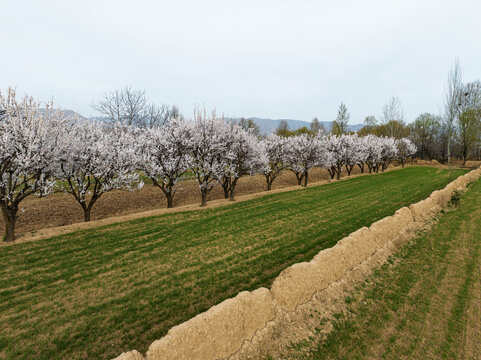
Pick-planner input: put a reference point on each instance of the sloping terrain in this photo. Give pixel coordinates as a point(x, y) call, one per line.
point(61, 209)
point(98, 292)
point(424, 304)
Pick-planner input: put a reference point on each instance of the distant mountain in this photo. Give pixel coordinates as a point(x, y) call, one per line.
point(269, 126)
point(266, 126)
point(67, 113)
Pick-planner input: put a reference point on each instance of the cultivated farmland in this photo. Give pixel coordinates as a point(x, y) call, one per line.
point(423, 304)
point(96, 293)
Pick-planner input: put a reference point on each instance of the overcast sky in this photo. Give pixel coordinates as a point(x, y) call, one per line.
point(272, 59)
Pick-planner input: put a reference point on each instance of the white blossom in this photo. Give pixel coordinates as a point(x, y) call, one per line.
point(94, 160)
point(275, 149)
point(28, 149)
point(207, 146)
point(244, 154)
point(165, 156)
point(405, 149)
point(303, 153)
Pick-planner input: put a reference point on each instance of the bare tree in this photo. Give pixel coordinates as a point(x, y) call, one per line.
point(160, 115)
point(125, 106)
point(370, 121)
point(315, 125)
point(469, 117)
point(393, 117)
point(132, 107)
point(423, 132)
point(451, 103)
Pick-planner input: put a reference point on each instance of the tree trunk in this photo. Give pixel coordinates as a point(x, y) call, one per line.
point(369, 167)
point(226, 192)
point(204, 197)
point(226, 187)
point(268, 181)
point(299, 177)
point(88, 208)
point(306, 174)
point(339, 169)
point(349, 169)
point(10, 217)
point(449, 153)
point(361, 166)
point(167, 190)
point(87, 213)
point(170, 199)
point(232, 188)
point(402, 163)
point(332, 172)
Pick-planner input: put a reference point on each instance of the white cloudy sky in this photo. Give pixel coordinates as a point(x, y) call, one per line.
point(274, 59)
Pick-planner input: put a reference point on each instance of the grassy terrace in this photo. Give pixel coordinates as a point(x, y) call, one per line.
point(425, 304)
point(95, 293)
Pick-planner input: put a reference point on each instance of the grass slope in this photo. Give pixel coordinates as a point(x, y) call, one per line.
point(424, 304)
point(96, 293)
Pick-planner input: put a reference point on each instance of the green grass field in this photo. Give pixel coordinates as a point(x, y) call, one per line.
point(95, 293)
point(423, 304)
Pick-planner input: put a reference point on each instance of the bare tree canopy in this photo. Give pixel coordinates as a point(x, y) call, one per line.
point(315, 125)
point(127, 106)
point(393, 117)
point(451, 101)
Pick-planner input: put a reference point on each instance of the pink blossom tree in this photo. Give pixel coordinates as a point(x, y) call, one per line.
point(207, 146)
point(275, 148)
point(373, 148)
point(303, 153)
point(405, 149)
point(28, 149)
point(388, 152)
point(165, 156)
point(94, 160)
point(243, 155)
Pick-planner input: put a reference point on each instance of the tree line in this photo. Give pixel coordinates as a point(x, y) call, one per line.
point(456, 131)
point(43, 151)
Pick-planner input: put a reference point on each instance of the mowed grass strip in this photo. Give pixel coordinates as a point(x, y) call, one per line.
point(95, 293)
point(420, 304)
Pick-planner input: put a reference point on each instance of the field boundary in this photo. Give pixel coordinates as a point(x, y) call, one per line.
point(66, 229)
point(240, 326)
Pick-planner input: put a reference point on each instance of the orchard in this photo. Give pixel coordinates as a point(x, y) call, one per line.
point(43, 151)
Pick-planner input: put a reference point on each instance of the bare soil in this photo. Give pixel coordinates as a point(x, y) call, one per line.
point(61, 209)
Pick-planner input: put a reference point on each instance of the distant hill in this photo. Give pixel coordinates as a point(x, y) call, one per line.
point(269, 126)
point(67, 113)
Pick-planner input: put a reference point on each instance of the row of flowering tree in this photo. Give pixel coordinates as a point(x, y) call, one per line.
point(41, 152)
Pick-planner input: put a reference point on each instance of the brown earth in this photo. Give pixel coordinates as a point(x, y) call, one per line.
point(61, 209)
